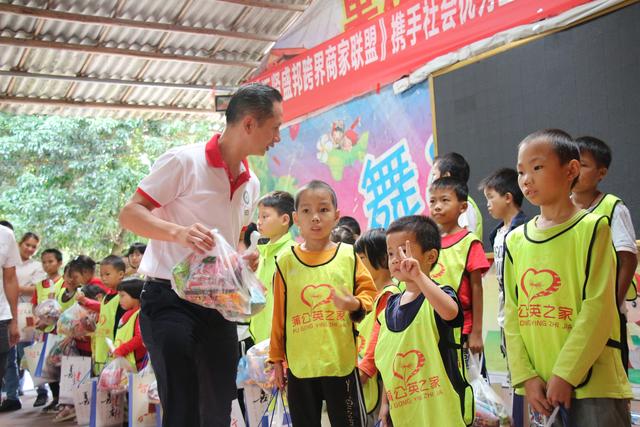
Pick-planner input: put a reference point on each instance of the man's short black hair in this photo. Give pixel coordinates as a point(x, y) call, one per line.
point(281, 201)
point(256, 99)
point(450, 183)
point(317, 185)
point(373, 244)
point(424, 229)
point(7, 224)
point(454, 165)
point(598, 149)
point(503, 181)
point(53, 251)
point(133, 287)
point(342, 234)
point(350, 222)
point(115, 262)
point(137, 247)
point(82, 264)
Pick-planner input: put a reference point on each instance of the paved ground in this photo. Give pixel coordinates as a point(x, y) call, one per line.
point(29, 416)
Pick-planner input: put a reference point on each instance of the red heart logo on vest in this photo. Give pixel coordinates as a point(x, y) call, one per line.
point(406, 365)
point(539, 283)
point(315, 295)
point(438, 270)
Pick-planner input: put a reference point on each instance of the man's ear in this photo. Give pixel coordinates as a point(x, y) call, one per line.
point(248, 123)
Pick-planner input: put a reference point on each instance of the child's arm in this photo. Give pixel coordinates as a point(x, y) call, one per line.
point(276, 347)
point(475, 337)
point(367, 365)
point(383, 415)
point(364, 293)
point(627, 264)
point(593, 324)
point(624, 240)
point(88, 303)
point(133, 344)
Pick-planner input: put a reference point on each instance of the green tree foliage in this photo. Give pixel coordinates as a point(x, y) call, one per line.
point(67, 178)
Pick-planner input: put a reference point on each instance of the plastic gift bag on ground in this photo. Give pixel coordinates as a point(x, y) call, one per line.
point(77, 322)
point(222, 280)
point(66, 347)
point(259, 371)
point(277, 412)
point(47, 312)
point(490, 408)
point(115, 376)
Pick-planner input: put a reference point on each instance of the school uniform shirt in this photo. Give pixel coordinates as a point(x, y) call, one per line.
point(364, 290)
point(476, 261)
point(561, 312)
point(9, 257)
point(192, 184)
point(135, 344)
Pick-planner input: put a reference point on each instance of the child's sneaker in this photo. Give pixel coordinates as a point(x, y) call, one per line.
point(52, 407)
point(67, 414)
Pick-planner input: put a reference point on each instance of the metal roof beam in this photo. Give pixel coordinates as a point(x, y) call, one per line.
point(130, 23)
point(164, 85)
point(41, 44)
point(103, 105)
point(270, 5)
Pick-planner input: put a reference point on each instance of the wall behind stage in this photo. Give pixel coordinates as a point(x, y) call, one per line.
point(584, 80)
point(376, 151)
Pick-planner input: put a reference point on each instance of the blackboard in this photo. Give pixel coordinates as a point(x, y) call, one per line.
point(585, 80)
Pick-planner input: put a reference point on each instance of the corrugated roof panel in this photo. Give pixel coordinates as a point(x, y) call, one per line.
point(50, 61)
point(212, 14)
point(196, 99)
point(98, 92)
point(70, 32)
point(17, 23)
point(223, 76)
point(169, 71)
point(152, 96)
point(10, 57)
point(26, 87)
point(116, 67)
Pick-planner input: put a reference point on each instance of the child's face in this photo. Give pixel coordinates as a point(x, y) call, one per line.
point(270, 223)
point(399, 240)
point(110, 276)
point(590, 173)
point(541, 177)
point(435, 171)
point(134, 259)
point(497, 204)
point(76, 279)
point(50, 264)
point(316, 216)
point(365, 260)
point(127, 302)
point(444, 206)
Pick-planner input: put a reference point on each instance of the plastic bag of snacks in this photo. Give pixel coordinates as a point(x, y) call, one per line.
point(115, 376)
point(259, 371)
point(222, 280)
point(490, 408)
point(66, 347)
point(77, 322)
point(47, 312)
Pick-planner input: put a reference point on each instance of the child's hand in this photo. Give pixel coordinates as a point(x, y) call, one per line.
point(475, 342)
point(559, 392)
point(409, 266)
point(80, 297)
point(363, 377)
point(383, 415)
point(343, 300)
point(278, 375)
point(535, 392)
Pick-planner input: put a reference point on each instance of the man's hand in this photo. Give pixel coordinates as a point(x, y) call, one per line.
point(343, 300)
point(197, 237)
point(252, 259)
point(559, 392)
point(475, 342)
point(14, 333)
point(278, 375)
point(535, 392)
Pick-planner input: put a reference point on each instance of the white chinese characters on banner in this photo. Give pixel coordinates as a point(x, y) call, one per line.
point(389, 184)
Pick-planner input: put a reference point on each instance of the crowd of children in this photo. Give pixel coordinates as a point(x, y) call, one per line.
point(113, 297)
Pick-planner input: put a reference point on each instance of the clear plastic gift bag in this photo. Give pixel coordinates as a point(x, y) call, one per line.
point(491, 410)
point(77, 322)
point(66, 347)
point(47, 312)
point(253, 367)
point(115, 376)
point(222, 280)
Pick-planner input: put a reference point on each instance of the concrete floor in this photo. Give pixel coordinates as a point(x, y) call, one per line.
point(29, 416)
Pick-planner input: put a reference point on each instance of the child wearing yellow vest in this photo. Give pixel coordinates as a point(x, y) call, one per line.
point(454, 165)
point(112, 271)
point(561, 319)
point(320, 289)
point(371, 247)
point(128, 340)
point(462, 261)
point(418, 352)
point(275, 217)
point(45, 289)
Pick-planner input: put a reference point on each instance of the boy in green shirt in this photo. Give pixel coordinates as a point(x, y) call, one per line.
point(275, 217)
point(562, 324)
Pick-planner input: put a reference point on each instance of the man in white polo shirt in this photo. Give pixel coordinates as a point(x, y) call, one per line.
point(189, 191)
point(9, 258)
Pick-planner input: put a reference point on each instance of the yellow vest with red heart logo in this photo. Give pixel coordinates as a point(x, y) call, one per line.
point(43, 294)
point(419, 388)
point(104, 329)
point(125, 333)
point(370, 389)
point(319, 338)
point(452, 262)
point(546, 283)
